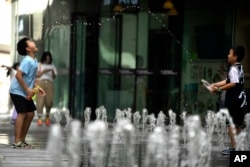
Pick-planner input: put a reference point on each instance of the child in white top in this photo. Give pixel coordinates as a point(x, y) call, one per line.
point(11, 71)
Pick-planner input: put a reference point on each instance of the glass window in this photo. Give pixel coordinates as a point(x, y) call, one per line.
point(207, 36)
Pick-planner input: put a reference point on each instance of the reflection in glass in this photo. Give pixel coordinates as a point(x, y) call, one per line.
point(107, 43)
point(57, 42)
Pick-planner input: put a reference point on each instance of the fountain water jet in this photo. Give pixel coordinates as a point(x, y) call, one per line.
point(74, 142)
point(96, 136)
point(156, 152)
point(55, 145)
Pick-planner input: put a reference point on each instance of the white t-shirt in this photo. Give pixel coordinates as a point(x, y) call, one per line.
point(47, 75)
point(12, 74)
point(235, 74)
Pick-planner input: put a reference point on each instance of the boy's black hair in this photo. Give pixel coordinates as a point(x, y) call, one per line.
point(239, 51)
point(22, 45)
point(14, 66)
point(44, 55)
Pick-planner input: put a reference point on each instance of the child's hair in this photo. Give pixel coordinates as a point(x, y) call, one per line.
point(239, 51)
point(22, 45)
point(44, 55)
point(14, 66)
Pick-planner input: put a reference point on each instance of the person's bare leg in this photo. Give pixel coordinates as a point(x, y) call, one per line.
point(26, 124)
point(238, 130)
point(231, 136)
point(19, 126)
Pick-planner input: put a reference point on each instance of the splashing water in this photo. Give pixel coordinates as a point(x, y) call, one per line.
point(55, 145)
point(129, 146)
point(156, 149)
point(73, 143)
point(97, 135)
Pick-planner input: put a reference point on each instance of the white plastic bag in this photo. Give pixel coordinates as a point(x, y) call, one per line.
point(14, 116)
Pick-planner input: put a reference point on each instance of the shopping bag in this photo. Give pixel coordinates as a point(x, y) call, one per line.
point(14, 116)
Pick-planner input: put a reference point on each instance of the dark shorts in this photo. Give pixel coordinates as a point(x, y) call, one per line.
point(21, 104)
point(237, 111)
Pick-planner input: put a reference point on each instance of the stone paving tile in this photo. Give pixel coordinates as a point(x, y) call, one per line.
point(26, 157)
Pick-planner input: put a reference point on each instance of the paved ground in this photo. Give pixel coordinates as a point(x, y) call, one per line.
point(38, 136)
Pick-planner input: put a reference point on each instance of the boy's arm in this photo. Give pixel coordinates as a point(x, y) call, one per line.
point(219, 84)
point(216, 86)
point(38, 89)
point(223, 85)
point(227, 86)
point(19, 77)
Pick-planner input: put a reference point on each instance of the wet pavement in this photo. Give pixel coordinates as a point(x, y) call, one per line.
point(38, 135)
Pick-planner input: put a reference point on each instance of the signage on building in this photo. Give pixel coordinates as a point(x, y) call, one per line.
point(167, 72)
point(122, 2)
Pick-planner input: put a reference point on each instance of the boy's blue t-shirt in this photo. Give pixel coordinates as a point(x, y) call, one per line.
point(28, 66)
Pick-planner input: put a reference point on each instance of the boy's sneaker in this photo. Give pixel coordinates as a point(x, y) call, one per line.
point(16, 145)
point(39, 122)
point(21, 144)
point(227, 151)
point(27, 145)
point(47, 121)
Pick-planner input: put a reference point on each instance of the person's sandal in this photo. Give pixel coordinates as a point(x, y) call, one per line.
point(227, 151)
point(17, 145)
point(27, 145)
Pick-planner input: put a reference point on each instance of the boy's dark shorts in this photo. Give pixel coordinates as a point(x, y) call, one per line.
point(237, 113)
point(22, 104)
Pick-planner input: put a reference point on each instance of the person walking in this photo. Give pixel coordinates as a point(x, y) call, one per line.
point(45, 76)
point(21, 91)
point(235, 97)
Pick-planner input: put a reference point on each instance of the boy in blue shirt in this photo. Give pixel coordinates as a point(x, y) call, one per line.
point(21, 91)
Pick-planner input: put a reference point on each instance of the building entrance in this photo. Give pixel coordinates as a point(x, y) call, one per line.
point(121, 63)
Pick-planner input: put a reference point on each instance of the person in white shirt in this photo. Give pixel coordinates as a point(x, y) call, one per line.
point(45, 76)
point(11, 71)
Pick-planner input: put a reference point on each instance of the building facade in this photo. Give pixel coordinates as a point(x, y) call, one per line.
point(134, 53)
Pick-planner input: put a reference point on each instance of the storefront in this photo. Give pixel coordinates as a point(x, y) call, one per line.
point(130, 58)
point(136, 54)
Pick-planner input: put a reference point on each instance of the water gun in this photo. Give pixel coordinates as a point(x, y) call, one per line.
point(207, 85)
point(37, 90)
